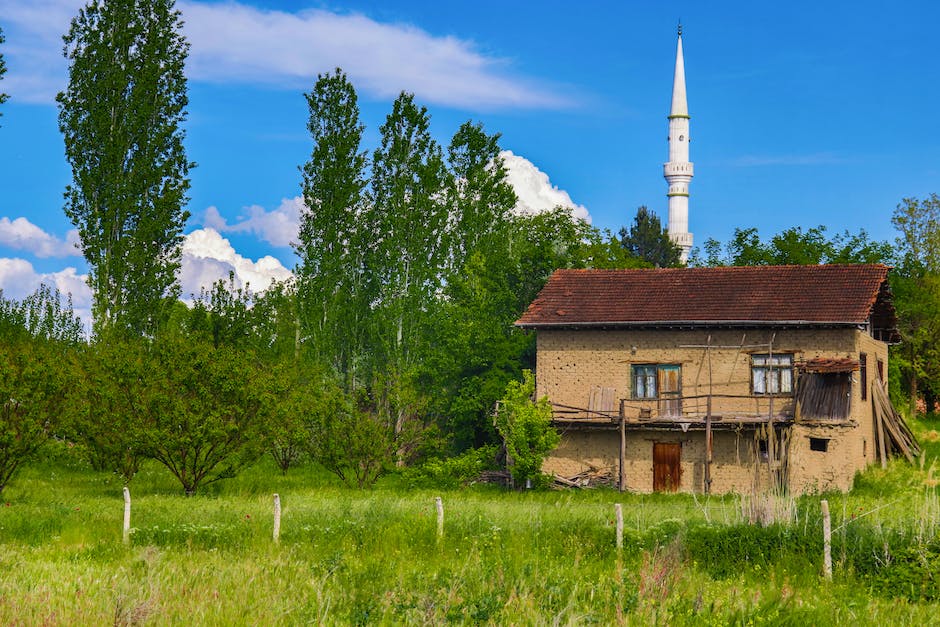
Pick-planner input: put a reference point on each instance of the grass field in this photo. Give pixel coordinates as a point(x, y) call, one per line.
point(349, 556)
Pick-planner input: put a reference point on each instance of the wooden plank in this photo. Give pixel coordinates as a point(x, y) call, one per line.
point(879, 431)
point(666, 466)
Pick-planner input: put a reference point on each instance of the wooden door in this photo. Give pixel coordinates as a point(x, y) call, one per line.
point(666, 469)
point(669, 387)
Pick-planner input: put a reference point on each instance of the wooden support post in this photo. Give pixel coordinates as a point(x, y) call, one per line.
point(618, 511)
point(440, 517)
point(622, 479)
point(708, 421)
point(277, 518)
point(708, 448)
point(827, 540)
point(127, 516)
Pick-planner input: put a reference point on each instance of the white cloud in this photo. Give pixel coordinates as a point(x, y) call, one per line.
point(208, 257)
point(21, 234)
point(535, 191)
point(237, 43)
point(278, 227)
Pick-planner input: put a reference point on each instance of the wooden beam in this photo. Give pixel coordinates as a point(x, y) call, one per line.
point(622, 479)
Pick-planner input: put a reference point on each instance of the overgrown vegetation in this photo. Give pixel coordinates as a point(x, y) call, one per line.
point(348, 556)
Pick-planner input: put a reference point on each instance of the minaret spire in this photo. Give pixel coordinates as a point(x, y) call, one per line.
point(679, 170)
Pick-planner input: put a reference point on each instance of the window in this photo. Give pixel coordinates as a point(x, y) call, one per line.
point(772, 374)
point(662, 382)
point(863, 374)
point(819, 444)
point(644, 382)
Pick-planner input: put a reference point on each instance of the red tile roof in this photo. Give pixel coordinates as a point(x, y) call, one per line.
point(823, 294)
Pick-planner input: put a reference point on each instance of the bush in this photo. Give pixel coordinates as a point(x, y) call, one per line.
point(526, 427)
point(452, 472)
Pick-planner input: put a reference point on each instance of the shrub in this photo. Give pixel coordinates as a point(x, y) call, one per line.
point(453, 472)
point(525, 426)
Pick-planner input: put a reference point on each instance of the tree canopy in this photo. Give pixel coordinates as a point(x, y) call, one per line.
point(121, 117)
point(648, 240)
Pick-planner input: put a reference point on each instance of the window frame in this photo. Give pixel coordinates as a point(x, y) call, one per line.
point(650, 374)
point(781, 367)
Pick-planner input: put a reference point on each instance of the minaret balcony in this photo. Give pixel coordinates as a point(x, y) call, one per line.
point(680, 168)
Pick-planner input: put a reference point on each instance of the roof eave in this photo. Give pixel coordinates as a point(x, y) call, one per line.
point(689, 323)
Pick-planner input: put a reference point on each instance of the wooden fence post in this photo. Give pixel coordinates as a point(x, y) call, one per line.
point(127, 515)
point(277, 518)
point(827, 540)
point(618, 511)
point(440, 517)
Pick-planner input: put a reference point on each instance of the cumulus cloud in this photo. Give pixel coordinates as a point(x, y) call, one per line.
point(208, 257)
point(21, 234)
point(535, 191)
point(236, 43)
point(277, 227)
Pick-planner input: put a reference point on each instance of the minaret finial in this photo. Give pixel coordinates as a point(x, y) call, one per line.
point(680, 28)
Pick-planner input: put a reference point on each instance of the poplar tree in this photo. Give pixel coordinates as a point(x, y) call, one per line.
point(331, 247)
point(482, 197)
point(121, 117)
point(407, 220)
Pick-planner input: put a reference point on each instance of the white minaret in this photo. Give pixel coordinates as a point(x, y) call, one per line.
point(678, 172)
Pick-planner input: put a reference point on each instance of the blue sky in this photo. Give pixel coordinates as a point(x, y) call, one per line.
point(803, 113)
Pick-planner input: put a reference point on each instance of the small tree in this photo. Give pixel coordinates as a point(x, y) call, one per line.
point(352, 443)
point(34, 385)
point(204, 410)
point(526, 427)
point(108, 425)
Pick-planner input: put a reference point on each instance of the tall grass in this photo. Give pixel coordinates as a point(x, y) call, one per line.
point(358, 557)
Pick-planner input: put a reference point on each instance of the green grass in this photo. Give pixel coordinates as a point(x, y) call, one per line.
point(356, 557)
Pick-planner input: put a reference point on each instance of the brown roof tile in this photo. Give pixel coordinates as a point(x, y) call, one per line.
point(833, 294)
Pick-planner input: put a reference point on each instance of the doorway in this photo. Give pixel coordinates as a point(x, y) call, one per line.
point(667, 471)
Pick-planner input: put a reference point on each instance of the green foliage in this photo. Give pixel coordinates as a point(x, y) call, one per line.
point(526, 427)
point(224, 315)
point(108, 425)
point(331, 243)
point(300, 391)
point(481, 197)
point(453, 472)
point(648, 240)
point(794, 246)
point(915, 283)
point(352, 443)
point(35, 380)
point(204, 409)
point(121, 116)
point(42, 315)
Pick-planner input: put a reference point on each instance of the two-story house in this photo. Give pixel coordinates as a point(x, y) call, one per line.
point(717, 379)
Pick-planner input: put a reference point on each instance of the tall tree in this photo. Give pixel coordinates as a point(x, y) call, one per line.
point(330, 246)
point(481, 197)
point(407, 218)
point(121, 117)
point(3, 70)
point(916, 285)
point(648, 240)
